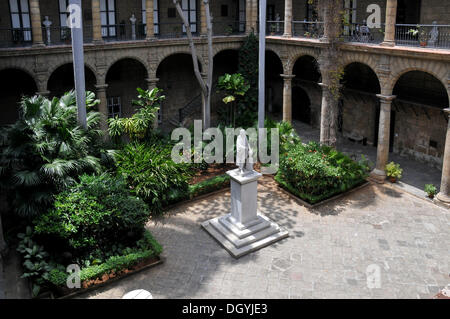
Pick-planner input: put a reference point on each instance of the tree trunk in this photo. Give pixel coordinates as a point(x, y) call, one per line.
point(205, 85)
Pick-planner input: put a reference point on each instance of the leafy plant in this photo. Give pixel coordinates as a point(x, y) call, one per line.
point(234, 86)
point(393, 170)
point(35, 265)
point(315, 172)
point(93, 214)
point(246, 111)
point(209, 185)
point(46, 150)
point(151, 173)
point(138, 127)
point(431, 190)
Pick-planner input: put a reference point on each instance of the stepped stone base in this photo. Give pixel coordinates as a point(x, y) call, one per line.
point(240, 239)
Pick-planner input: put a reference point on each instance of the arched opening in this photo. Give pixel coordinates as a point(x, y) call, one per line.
point(123, 78)
point(62, 80)
point(274, 83)
point(359, 107)
point(226, 61)
point(301, 110)
point(14, 84)
point(183, 101)
point(306, 93)
point(419, 126)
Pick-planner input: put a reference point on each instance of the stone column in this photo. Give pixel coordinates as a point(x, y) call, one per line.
point(36, 24)
point(151, 84)
point(203, 25)
point(103, 106)
point(444, 195)
point(379, 174)
point(287, 19)
point(96, 22)
point(44, 93)
point(150, 28)
point(327, 21)
point(255, 15)
point(287, 97)
point(248, 16)
point(324, 115)
point(391, 16)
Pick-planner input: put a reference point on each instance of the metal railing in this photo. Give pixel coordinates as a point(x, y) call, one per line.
point(16, 37)
point(361, 33)
point(228, 27)
point(307, 29)
point(275, 27)
point(423, 35)
point(62, 35)
point(175, 30)
point(123, 32)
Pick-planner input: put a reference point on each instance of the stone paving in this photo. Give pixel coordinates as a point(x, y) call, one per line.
point(334, 250)
point(415, 173)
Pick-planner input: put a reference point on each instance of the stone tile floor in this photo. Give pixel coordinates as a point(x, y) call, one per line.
point(331, 252)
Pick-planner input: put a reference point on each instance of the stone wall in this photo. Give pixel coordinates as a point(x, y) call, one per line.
point(435, 10)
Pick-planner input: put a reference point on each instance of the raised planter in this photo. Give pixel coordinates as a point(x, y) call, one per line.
point(64, 292)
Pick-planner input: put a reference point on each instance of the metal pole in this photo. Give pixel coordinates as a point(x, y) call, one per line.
point(76, 26)
point(262, 62)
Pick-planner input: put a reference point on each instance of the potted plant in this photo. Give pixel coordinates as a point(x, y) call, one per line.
point(393, 171)
point(422, 33)
point(273, 28)
point(229, 30)
point(431, 190)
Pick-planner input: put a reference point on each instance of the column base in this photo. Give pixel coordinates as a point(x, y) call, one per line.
point(38, 45)
point(442, 200)
point(388, 43)
point(98, 41)
point(287, 35)
point(378, 176)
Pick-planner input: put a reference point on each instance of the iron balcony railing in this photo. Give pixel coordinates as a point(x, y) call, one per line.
point(361, 33)
point(307, 29)
point(228, 28)
point(57, 35)
point(16, 37)
point(275, 27)
point(423, 35)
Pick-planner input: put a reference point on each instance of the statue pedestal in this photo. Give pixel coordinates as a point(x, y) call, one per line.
point(244, 230)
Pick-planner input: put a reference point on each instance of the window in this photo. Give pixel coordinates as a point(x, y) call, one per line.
point(114, 107)
point(350, 16)
point(171, 13)
point(311, 12)
point(224, 10)
point(189, 8)
point(63, 15)
point(155, 16)
point(20, 20)
point(108, 18)
point(241, 15)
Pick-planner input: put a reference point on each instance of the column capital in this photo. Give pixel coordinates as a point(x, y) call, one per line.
point(43, 93)
point(152, 80)
point(101, 87)
point(386, 98)
point(447, 111)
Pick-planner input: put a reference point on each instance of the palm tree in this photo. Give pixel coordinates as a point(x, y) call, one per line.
point(46, 150)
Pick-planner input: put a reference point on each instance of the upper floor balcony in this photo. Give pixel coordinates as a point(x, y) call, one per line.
point(113, 20)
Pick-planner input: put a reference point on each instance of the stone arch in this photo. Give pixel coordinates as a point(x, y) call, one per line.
point(217, 48)
point(367, 59)
point(276, 50)
point(22, 68)
point(297, 53)
point(67, 59)
point(174, 51)
point(111, 63)
point(90, 77)
point(314, 63)
point(14, 83)
point(439, 71)
point(368, 68)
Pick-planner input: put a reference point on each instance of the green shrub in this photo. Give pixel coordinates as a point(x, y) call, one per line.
point(145, 248)
point(46, 150)
point(209, 185)
point(93, 214)
point(138, 126)
point(314, 172)
point(152, 175)
point(394, 170)
point(431, 190)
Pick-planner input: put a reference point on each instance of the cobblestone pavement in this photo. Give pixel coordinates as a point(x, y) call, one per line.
point(333, 251)
point(415, 173)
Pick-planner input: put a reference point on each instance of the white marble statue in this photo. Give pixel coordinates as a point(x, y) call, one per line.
point(244, 154)
point(47, 24)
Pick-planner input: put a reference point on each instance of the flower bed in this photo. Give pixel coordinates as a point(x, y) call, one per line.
point(315, 173)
